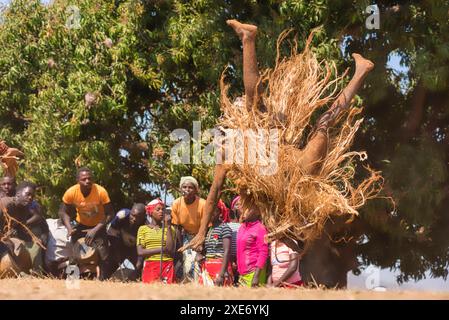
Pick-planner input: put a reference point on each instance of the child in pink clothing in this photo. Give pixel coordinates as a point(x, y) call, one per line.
point(284, 266)
point(252, 250)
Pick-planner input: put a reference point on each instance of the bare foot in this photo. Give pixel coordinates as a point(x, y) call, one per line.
point(362, 64)
point(244, 31)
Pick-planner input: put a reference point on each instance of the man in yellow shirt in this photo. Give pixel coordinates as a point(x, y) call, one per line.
point(89, 203)
point(187, 212)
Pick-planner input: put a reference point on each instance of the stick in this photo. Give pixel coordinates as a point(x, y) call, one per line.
point(163, 228)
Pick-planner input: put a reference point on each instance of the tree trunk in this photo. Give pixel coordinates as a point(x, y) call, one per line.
point(321, 265)
point(414, 118)
point(327, 260)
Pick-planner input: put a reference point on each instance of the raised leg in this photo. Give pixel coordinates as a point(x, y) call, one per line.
point(316, 149)
point(362, 68)
point(247, 34)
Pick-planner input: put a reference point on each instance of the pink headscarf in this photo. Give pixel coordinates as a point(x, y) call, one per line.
point(234, 202)
point(152, 205)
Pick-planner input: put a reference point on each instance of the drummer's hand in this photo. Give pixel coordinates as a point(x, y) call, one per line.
point(90, 236)
point(70, 232)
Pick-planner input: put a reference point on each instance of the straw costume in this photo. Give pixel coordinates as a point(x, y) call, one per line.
point(315, 172)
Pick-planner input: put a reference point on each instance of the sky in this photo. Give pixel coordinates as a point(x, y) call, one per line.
point(385, 278)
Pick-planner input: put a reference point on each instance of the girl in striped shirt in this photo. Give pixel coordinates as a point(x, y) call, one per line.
point(217, 247)
point(149, 238)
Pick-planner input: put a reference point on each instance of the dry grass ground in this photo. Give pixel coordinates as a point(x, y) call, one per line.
point(58, 289)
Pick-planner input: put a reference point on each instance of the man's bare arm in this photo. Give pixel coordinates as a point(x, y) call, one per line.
point(64, 213)
point(109, 215)
point(36, 216)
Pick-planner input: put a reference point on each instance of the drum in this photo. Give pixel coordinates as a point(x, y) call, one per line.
point(12, 263)
point(86, 257)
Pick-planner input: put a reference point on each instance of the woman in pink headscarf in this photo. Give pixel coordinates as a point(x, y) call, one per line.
point(216, 267)
point(236, 212)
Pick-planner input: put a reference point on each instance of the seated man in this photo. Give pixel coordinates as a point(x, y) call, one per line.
point(94, 211)
point(27, 224)
point(35, 220)
point(122, 235)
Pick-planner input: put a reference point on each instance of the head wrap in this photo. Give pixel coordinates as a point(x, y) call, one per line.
point(224, 211)
point(152, 205)
point(189, 179)
point(234, 202)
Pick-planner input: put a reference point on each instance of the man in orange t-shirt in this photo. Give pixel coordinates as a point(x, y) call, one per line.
point(93, 209)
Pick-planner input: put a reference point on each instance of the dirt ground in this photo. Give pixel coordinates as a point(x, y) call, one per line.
point(92, 290)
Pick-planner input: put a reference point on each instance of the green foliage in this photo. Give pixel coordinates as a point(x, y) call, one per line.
point(417, 174)
point(47, 69)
